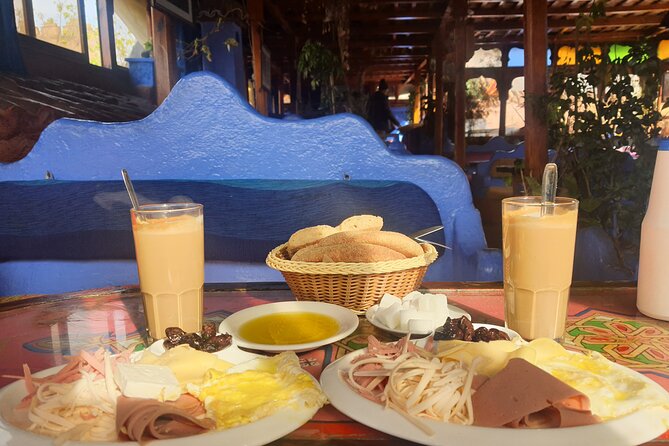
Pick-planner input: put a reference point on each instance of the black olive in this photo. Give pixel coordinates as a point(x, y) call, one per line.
point(467, 328)
point(481, 334)
point(208, 330)
point(169, 344)
point(174, 334)
point(448, 331)
point(496, 335)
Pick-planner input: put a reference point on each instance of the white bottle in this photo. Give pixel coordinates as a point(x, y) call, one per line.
point(653, 285)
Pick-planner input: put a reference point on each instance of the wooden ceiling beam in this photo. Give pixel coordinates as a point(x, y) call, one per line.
point(402, 64)
point(278, 15)
point(390, 57)
point(387, 76)
point(497, 25)
point(518, 12)
point(402, 2)
point(417, 72)
point(363, 45)
point(603, 37)
point(389, 71)
point(388, 29)
point(385, 52)
point(395, 15)
point(400, 40)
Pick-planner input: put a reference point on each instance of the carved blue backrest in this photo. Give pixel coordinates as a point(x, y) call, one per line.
point(494, 144)
point(205, 132)
point(482, 179)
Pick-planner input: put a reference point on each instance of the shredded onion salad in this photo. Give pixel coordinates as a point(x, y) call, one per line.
point(78, 402)
point(413, 382)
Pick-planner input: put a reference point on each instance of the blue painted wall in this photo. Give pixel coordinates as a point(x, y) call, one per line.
point(204, 131)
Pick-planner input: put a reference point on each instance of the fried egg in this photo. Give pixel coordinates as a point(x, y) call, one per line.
point(247, 393)
point(613, 390)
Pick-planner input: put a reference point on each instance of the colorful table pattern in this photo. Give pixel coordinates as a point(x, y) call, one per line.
point(44, 331)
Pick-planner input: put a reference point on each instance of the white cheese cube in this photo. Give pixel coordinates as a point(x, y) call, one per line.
point(439, 307)
point(147, 381)
point(405, 316)
point(388, 300)
point(389, 316)
point(441, 302)
point(413, 295)
point(426, 303)
point(421, 326)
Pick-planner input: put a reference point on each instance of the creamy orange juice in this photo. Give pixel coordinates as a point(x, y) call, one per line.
point(538, 261)
point(169, 245)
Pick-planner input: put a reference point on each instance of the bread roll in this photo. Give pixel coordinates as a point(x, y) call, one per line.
point(349, 252)
point(363, 222)
point(393, 240)
point(308, 236)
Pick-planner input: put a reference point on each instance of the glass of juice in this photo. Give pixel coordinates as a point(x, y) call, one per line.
point(538, 249)
point(169, 245)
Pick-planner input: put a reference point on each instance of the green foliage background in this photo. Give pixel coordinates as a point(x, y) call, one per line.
point(595, 117)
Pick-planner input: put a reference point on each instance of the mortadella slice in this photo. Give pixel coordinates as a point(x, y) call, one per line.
point(142, 419)
point(523, 395)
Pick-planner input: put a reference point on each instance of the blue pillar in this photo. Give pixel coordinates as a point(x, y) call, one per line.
point(227, 62)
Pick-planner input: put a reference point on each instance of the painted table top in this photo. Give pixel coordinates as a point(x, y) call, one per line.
point(44, 331)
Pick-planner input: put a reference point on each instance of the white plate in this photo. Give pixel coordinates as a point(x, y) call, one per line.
point(636, 428)
point(257, 433)
point(454, 313)
point(232, 353)
point(348, 322)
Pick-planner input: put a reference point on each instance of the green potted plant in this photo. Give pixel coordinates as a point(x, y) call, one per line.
point(317, 63)
point(603, 119)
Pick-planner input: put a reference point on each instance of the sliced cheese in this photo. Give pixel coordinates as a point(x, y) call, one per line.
point(187, 364)
point(147, 381)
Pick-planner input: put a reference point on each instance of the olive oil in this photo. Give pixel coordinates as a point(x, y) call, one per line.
point(289, 328)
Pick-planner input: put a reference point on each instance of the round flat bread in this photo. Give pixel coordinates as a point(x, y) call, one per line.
point(393, 240)
point(308, 236)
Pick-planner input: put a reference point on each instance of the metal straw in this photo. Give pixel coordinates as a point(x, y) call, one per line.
point(549, 189)
point(130, 189)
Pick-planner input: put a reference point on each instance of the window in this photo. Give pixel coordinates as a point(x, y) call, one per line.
point(515, 107)
point(663, 50)
point(20, 16)
point(482, 107)
point(617, 52)
point(130, 29)
point(567, 55)
point(485, 58)
point(93, 32)
point(75, 25)
point(517, 57)
point(57, 22)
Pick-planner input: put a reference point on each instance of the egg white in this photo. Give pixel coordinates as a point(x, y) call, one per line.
point(613, 390)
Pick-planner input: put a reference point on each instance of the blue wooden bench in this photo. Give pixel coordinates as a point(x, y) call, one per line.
point(482, 178)
point(259, 178)
point(494, 144)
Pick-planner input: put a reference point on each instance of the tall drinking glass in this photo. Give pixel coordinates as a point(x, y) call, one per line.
point(169, 245)
point(538, 248)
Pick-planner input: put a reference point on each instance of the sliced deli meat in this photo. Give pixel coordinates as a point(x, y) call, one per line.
point(143, 419)
point(523, 395)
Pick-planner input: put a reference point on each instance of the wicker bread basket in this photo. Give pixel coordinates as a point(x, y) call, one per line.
point(356, 286)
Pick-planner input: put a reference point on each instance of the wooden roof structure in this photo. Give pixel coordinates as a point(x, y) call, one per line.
point(394, 39)
point(409, 41)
